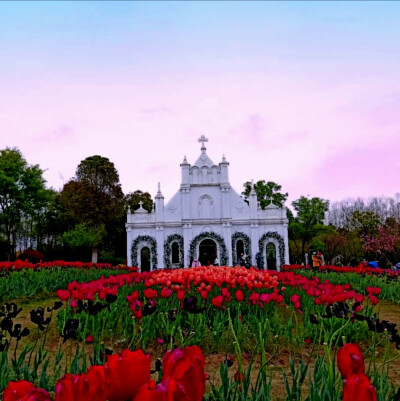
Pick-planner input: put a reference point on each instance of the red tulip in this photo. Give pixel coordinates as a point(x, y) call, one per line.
point(238, 378)
point(125, 373)
point(89, 339)
point(149, 293)
point(358, 388)
point(165, 293)
point(295, 298)
point(254, 298)
point(63, 295)
point(136, 308)
point(24, 391)
point(359, 298)
point(83, 387)
point(186, 367)
point(239, 295)
point(350, 360)
point(16, 390)
point(217, 301)
point(167, 390)
point(131, 298)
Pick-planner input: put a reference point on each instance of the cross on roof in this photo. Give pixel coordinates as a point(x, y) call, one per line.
point(140, 204)
point(203, 139)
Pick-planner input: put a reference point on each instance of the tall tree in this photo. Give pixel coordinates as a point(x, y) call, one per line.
point(95, 198)
point(309, 220)
point(133, 200)
point(267, 193)
point(365, 222)
point(22, 195)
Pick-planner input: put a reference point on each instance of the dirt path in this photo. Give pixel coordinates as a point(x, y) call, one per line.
point(389, 311)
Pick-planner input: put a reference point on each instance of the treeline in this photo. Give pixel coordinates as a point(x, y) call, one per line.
point(346, 232)
point(87, 217)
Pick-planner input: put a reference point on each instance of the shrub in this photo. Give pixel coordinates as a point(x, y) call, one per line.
point(32, 255)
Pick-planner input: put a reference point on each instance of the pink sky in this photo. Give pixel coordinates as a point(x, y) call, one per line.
point(312, 103)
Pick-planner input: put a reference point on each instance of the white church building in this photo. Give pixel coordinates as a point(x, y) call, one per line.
point(206, 219)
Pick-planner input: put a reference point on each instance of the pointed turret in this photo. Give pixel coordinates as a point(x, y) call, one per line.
point(224, 170)
point(253, 203)
point(185, 170)
point(159, 204)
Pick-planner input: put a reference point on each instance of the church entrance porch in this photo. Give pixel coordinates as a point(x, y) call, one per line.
point(207, 252)
point(239, 251)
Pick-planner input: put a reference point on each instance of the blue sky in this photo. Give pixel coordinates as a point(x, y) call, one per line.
point(299, 90)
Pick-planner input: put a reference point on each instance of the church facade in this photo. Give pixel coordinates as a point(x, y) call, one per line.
point(206, 219)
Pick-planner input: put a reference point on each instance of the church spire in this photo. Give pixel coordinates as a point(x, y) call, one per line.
point(159, 194)
point(159, 204)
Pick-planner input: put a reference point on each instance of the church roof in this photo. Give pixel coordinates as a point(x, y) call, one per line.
point(203, 160)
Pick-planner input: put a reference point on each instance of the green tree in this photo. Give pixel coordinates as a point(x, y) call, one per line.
point(267, 193)
point(84, 236)
point(52, 227)
point(133, 199)
point(95, 198)
point(22, 196)
point(365, 222)
point(308, 221)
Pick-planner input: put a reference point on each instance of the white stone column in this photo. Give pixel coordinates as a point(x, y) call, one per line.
point(254, 236)
point(286, 241)
point(226, 229)
point(187, 239)
point(160, 247)
point(129, 246)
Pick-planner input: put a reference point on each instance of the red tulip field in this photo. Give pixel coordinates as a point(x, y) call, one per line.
point(74, 331)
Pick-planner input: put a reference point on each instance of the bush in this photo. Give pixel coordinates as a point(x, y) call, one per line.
point(31, 255)
point(112, 260)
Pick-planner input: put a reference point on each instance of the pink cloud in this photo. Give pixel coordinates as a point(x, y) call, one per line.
point(366, 170)
point(252, 131)
point(59, 134)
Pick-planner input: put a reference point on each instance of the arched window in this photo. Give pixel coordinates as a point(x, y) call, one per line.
point(239, 250)
point(175, 252)
point(270, 252)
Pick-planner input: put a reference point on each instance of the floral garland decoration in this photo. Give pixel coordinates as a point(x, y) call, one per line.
point(281, 243)
point(217, 238)
point(168, 250)
point(153, 249)
point(247, 246)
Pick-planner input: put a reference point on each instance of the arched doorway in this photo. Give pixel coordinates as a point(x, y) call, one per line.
point(207, 252)
point(270, 253)
point(145, 259)
point(239, 251)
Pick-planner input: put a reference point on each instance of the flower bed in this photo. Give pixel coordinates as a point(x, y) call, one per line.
point(242, 317)
point(58, 264)
point(345, 269)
